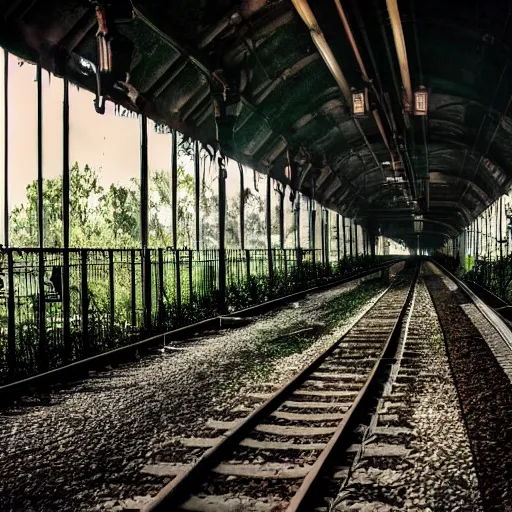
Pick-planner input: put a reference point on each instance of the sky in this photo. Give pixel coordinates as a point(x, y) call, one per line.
point(108, 143)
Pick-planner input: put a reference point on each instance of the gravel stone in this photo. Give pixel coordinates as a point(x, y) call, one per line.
point(484, 389)
point(81, 447)
point(439, 472)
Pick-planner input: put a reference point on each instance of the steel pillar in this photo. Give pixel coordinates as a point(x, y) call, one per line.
point(242, 206)
point(6, 148)
point(43, 349)
point(281, 217)
point(66, 307)
point(174, 187)
point(197, 187)
point(351, 243)
point(222, 233)
point(338, 248)
point(268, 222)
point(144, 224)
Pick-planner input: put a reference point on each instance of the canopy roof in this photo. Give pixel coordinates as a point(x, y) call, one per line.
point(448, 167)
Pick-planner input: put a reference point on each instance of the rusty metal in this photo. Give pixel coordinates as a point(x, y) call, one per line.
point(177, 491)
point(301, 502)
point(401, 50)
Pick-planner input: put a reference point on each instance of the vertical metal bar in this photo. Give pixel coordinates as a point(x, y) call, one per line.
point(148, 306)
point(312, 234)
point(177, 260)
point(338, 251)
point(144, 181)
point(297, 220)
point(84, 303)
point(161, 310)
point(144, 223)
point(222, 232)
point(268, 222)
point(344, 235)
point(65, 165)
point(197, 183)
point(43, 352)
point(242, 207)
point(133, 292)
point(501, 228)
point(11, 326)
point(6, 148)
point(281, 217)
point(111, 289)
point(325, 239)
point(356, 239)
point(311, 224)
point(40, 219)
point(248, 263)
point(350, 235)
point(197, 192)
point(285, 267)
point(174, 188)
point(66, 305)
point(190, 279)
point(477, 238)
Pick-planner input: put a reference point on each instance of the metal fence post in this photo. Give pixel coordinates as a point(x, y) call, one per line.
point(161, 312)
point(190, 277)
point(282, 196)
point(297, 220)
point(84, 303)
point(248, 264)
point(178, 279)
point(133, 291)
point(312, 240)
point(344, 237)
point(146, 255)
point(111, 290)
point(11, 325)
point(356, 241)
point(350, 234)
point(285, 267)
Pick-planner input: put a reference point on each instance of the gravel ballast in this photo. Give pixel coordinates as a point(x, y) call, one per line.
point(426, 461)
point(484, 389)
point(84, 448)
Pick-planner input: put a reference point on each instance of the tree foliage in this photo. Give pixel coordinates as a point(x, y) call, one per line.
point(110, 217)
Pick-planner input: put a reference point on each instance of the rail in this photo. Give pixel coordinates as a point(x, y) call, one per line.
point(178, 490)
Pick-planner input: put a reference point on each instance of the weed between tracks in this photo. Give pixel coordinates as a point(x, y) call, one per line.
point(258, 360)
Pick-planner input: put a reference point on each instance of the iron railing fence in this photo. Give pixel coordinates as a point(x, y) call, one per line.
point(92, 300)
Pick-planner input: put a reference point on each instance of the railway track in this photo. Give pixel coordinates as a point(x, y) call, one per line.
point(275, 458)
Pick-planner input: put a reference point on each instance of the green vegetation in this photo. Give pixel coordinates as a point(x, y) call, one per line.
point(259, 359)
point(110, 217)
point(111, 302)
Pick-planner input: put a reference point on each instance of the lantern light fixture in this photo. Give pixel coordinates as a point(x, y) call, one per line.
point(360, 103)
point(421, 101)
